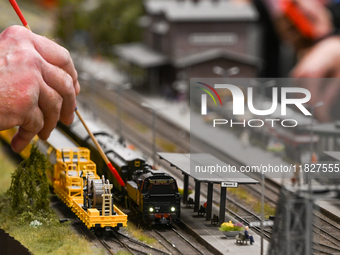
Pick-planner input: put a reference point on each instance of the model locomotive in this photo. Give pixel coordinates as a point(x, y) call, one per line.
point(153, 194)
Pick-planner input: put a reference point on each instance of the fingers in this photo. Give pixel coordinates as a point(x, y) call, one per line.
point(321, 61)
point(57, 56)
point(41, 120)
point(62, 83)
point(50, 104)
point(38, 85)
point(311, 66)
point(28, 130)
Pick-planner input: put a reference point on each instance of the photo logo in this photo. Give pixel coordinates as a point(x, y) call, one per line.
point(204, 97)
point(239, 100)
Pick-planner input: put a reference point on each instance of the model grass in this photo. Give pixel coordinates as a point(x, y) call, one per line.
point(25, 212)
point(244, 196)
point(7, 167)
point(140, 235)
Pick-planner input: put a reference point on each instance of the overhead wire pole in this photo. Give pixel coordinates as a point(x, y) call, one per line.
point(118, 92)
point(153, 131)
point(108, 163)
point(263, 87)
point(120, 88)
point(312, 107)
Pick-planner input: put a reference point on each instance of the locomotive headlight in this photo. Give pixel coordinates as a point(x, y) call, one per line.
point(173, 209)
point(151, 209)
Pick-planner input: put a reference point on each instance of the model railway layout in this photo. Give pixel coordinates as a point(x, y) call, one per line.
point(75, 180)
point(153, 194)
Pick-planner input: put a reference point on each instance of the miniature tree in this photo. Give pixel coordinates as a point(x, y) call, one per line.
point(29, 188)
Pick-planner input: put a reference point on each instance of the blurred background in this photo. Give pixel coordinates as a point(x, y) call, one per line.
point(160, 44)
point(154, 47)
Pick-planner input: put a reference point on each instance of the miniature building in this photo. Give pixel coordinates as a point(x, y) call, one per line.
point(329, 136)
point(187, 39)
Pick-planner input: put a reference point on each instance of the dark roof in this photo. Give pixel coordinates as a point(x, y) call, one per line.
point(188, 162)
point(333, 154)
point(202, 10)
point(332, 128)
point(141, 55)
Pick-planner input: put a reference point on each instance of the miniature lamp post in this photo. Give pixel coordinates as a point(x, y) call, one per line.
point(312, 107)
point(263, 87)
point(153, 128)
point(120, 88)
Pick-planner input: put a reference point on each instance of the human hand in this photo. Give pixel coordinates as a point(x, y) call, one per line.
point(315, 23)
point(38, 85)
point(322, 61)
point(318, 14)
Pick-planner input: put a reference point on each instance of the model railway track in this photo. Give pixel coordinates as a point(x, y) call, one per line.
point(327, 232)
point(325, 249)
point(118, 241)
point(135, 112)
point(65, 212)
point(153, 249)
point(170, 132)
point(271, 194)
point(106, 246)
point(165, 130)
point(145, 145)
point(245, 215)
point(187, 241)
point(176, 242)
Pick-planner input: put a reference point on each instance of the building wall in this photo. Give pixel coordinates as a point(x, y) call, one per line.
point(186, 38)
point(194, 37)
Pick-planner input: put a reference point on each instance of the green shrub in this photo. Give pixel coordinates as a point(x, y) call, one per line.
point(229, 226)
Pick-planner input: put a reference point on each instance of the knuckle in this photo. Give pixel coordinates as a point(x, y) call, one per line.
point(16, 29)
point(69, 87)
point(39, 125)
point(58, 106)
point(66, 56)
point(37, 122)
point(54, 107)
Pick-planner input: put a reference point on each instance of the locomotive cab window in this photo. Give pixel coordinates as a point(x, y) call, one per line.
point(163, 187)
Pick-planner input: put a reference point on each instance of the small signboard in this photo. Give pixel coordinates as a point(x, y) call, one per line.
point(229, 184)
point(266, 223)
